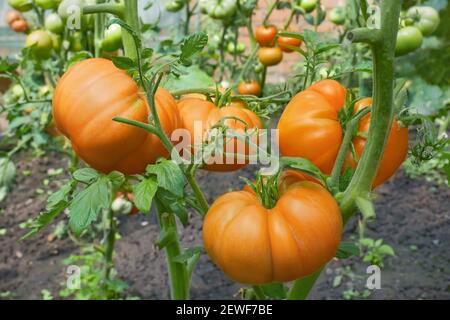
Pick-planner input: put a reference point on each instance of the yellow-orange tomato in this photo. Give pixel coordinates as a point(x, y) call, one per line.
point(256, 245)
point(249, 88)
point(283, 41)
point(394, 153)
point(87, 98)
point(12, 16)
point(269, 56)
point(265, 35)
point(312, 118)
point(195, 111)
point(19, 25)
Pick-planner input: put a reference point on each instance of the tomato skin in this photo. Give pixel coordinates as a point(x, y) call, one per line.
point(255, 245)
point(86, 99)
point(240, 48)
point(265, 35)
point(194, 110)
point(409, 39)
point(41, 42)
point(395, 151)
point(269, 56)
point(428, 19)
point(12, 16)
point(249, 88)
point(113, 38)
point(332, 90)
point(313, 121)
point(337, 16)
point(308, 5)
point(282, 41)
point(54, 23)
point(19, 25)
point(21, 5)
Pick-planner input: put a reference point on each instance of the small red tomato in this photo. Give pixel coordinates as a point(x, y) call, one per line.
point(12, 16)
point(250, 88)
point(265, 35)
point(19, 25)
point(283, 41)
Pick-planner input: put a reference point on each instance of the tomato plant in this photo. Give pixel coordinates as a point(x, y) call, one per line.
point(265, 35)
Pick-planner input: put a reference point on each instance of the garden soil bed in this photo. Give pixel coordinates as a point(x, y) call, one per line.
point(413, 217)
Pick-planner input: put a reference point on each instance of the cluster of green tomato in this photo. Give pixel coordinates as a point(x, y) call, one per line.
point(416, 23)
point(44, 40)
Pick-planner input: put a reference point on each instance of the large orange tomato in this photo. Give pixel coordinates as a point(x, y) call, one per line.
point(205, 113)
point(270, 56)
point(257, 245)
point(88, 96)
point(394, 153)
point(312, 118)
point(265, 35)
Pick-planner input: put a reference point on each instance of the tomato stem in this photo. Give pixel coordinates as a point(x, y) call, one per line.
point(178, 273)
point(117, 9)
point(110, 238)
point(350, 130)
point(131, 17)
point(98, 30)
point(259, 292)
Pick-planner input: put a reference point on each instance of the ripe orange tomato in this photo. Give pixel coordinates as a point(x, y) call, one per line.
point(269, 56)
point(249, 88)
point(12, 16)
point(86, 99)
point(19, 25)
point(283, 41)
point(394, 153)
point(197, 111)
point(312, 118)
point(257, 245)
point(265, 35)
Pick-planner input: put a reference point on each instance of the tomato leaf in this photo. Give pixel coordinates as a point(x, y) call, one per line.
point(170, 203)
point(166, 237)
point(87, 204)
point(303, 165)
point(117, 179)
point(169, 176)
point(365, 205)
point(143, 194)
point(275, 290)
point(346, 250)
point(193, 44)
point(190, 257)
point(86, 175)
point(123, 63)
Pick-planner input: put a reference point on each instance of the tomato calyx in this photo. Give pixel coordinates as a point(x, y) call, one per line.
point(265, 188)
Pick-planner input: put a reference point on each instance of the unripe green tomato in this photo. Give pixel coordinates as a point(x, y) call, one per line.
point(113, 38)
point(76, 42)
point(408, 39)
point(240, 48)
point(17, 91)
point(174, 5)
point(44, 90)
point(21, 5)
point(46, 4)
point(259, 67)
point(41, 44)
point(308, 5)
point(337, 16)
point(56, 41)
point(54, 23)
point(428, 19)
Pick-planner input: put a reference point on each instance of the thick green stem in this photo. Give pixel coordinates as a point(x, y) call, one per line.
point(178, 273)
point(383, 107)
point(383, 48)
point(99, 30)
point(346, 141)
point(251, 34)
point(131, 17)
point(116, 9)
point(198, 192)
point(269, 13)
point(110, 239)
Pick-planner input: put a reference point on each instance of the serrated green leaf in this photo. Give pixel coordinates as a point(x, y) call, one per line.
point(123, 63)
point(45, 218)
point(117, 179)
point(193, 44)
point(304, 165)
point(87, 204)
point(144, 192)
point(85, 175)
point(346, 250)
point(386, 249)
point(169, 176)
